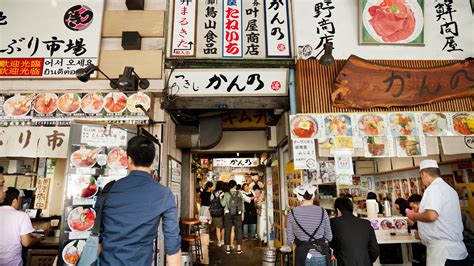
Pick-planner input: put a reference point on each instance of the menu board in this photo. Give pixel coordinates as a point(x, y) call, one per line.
point(47, 109)
point(91, 165)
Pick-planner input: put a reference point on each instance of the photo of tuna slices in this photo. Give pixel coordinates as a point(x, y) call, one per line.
point(393, 21)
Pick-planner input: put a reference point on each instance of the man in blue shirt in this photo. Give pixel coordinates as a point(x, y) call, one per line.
point(132, 213)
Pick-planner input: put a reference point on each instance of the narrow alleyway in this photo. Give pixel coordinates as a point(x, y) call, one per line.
point(251, 256)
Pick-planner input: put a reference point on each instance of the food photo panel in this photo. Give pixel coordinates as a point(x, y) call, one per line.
point(375, 146)
point(305, 126)
point(337, 125)
point(391, 22)
point(463, 124)
point(403, 124)
point(410, 146)
point(83, 156)
point(371, 124)
point(435, 124)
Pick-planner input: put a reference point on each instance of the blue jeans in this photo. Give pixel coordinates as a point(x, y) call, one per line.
point(316, 261)
point(253, 230)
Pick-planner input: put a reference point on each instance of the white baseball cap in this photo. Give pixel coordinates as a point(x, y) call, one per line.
point(300, 190)
point(428, 164)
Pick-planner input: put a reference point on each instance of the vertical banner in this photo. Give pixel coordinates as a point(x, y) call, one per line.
point(42, 192)
point(232, 28)
point(254, 29)
point(184, 28)
point(209, 29)
point(277, 28)
point(304, 154)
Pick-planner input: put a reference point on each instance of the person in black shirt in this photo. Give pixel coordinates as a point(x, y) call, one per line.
point(250, 215)
point(205, 196)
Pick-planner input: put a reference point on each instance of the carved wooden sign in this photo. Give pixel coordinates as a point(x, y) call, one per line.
point(362, 84)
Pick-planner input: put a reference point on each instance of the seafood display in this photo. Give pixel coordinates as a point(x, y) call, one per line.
point(72, 251)
point(463, 123)
point(138, 98)
point(18, 105)
point(304, 127)
point(117, 159)
point(115, 102)
point(81, 219)
point(434, 124)
point(338, 125)
point(371, 125)
point(92, 103)
point(84, 157)
point(69, 103)
point(45, 103)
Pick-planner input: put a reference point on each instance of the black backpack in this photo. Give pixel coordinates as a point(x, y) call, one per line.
point(235, 203)
point(215, 208)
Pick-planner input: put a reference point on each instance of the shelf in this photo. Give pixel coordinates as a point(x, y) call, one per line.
point(415, 167)
point(46, 219)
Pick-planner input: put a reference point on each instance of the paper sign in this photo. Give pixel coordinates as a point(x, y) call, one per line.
point(343, 162)
point(101, 136)
point(42, 192)
point(304, 154)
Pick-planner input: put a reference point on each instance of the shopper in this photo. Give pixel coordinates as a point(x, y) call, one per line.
point(15, 230)
point(234, 208)
point(439, 219)
point(250, 215)
point(133, 210)
point(401, 205)
point(354, 241)
point(217, 212)
point(2, 185)
point(372, 195)
point(204, 214)
point(414, 202)
point(309, 228)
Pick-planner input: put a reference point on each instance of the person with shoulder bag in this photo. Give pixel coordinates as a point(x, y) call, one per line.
point(309, 229)
point(234, 208)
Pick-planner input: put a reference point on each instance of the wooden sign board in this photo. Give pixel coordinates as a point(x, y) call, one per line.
point(42, 192)
point(362, 84)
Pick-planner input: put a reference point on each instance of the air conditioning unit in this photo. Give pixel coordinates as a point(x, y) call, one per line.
point(272, 136)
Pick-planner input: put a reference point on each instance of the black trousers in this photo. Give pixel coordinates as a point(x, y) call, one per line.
point(464, 262)
point(236, 221)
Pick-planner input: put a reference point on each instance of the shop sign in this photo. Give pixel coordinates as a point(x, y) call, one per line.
point(248, 29)
point(45, 40)
point(387, 86)
point(235, 162)
point(33, 142)
point(103, 136)
point(229, 82)
point(435, 29)
point(41, 193)
point(244, 119)
point(183, 37)
point(304, 154)
point(49, 109)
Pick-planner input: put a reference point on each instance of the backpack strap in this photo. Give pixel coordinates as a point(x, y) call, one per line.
point(311, 236)
point(103, 197)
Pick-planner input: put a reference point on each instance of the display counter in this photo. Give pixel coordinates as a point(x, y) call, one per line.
point(398, 238)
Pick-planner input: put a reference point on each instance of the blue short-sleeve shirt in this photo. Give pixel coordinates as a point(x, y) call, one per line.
point(131, 216)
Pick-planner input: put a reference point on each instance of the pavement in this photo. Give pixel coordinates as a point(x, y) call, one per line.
point(252, 255)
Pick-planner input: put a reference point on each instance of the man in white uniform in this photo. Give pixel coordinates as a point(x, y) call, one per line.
point(439, 219)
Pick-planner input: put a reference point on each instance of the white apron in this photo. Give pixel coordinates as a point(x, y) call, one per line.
point(437, 252)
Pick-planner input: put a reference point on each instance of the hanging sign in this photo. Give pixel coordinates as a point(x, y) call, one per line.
point(235, 162)
point(229, 82)
point(184, 28)
point(277, 28)
point(343, 162)
point(42, 192)
point(253, 119)
point(304, 154)
point(397, 86)
point(49, 39)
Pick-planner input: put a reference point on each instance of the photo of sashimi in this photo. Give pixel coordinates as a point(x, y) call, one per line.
point(393, 21)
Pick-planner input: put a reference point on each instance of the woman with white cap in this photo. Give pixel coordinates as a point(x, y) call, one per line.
point(309, 228)
point(439, 219)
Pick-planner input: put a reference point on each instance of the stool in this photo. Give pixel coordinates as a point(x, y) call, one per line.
point(192, 235)
point(285, 255)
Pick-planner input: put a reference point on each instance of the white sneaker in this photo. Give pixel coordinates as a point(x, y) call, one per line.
point(220, 243)
point(232, 247)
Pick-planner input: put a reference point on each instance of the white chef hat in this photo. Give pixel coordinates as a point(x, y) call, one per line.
point(300, 190)
point(428, 164)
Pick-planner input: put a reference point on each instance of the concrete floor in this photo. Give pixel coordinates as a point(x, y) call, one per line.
point(251, 256)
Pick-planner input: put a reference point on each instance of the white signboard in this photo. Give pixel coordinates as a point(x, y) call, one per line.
point(447, 31)
point(229, 82)
point(49, 39)
point(304, 154)
point(33, 142)
point(278, 28)
point(103, 136)
point(235, 162)
point(184, 28)
point(343, 162)
point(457, 145)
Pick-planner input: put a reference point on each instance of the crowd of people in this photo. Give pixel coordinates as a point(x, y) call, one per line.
point(232, 210)
point(436, 215)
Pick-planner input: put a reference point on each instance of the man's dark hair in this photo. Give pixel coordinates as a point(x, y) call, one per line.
point(256, 187)
point(232, 184)
point(239, 186)
point(344, 205)
point(415, 198)
point(432, 171)
point(225, 187)
point(219, 185)
point(141, 150)
point(244, 185)
point(208, 186)
point(11, 194)
point(307, 195)
point(1, 169)
point(403, 205)
point(349, 196)
point(371, 195)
